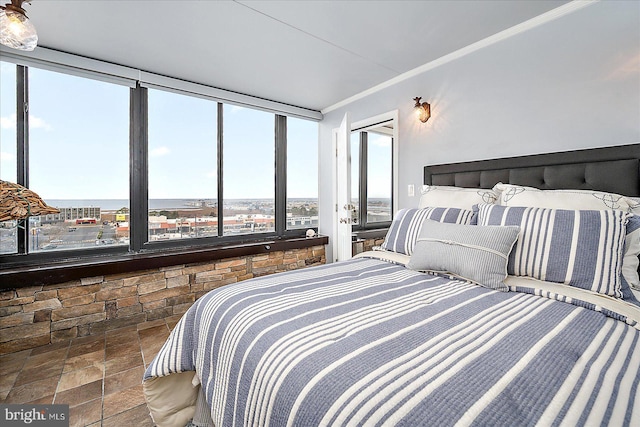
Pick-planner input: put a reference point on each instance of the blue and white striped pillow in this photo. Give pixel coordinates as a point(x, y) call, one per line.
point(407, 223)
point(578, 248)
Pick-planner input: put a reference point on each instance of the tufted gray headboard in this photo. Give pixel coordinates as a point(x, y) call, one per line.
point(611, 169)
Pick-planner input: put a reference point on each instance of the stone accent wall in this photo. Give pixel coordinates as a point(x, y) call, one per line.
point(38, 315)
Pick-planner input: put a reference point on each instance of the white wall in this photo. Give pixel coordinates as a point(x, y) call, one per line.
point(571, 83)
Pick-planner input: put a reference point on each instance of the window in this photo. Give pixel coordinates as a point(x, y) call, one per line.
point(371, 176)
point(249, 179)
point(135, 168)
point(78, 160)
point(379, 173)
point(302, 174)
point(183, 173)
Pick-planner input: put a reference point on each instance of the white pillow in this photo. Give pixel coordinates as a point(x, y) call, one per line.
point(455, 197)
point(518, 195)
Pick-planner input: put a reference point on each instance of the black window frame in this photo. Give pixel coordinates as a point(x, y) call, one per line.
point(138, 190)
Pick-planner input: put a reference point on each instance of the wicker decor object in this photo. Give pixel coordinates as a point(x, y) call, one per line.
point(18, 202)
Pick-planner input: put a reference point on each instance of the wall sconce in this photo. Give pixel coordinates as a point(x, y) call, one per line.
point(16, 30)
point(423, 110)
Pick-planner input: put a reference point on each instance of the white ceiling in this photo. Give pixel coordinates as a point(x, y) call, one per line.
point(310, 54)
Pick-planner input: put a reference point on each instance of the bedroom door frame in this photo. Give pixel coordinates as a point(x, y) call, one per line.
point(361, 124)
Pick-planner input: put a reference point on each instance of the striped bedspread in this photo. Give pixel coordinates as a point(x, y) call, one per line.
point(367, 343)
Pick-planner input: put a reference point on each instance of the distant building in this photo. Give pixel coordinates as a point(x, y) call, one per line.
point(302, 221)
point(73, 214)
point(161, 228)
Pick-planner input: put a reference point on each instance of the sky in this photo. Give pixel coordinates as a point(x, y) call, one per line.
point(79, 143)
point(379, 165)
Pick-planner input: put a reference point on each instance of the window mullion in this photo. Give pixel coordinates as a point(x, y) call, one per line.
point(362, 196)
point(393, 195)
point(220, 171)
point(281, 174)
point(138, 169)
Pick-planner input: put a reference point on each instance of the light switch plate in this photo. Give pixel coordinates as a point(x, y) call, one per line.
point(410, 190)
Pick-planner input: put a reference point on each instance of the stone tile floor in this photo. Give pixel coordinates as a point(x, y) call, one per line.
point(99, 377)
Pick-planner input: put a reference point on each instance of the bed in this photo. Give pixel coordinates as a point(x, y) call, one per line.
point(429, 329)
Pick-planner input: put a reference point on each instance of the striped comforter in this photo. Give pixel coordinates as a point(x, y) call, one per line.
point(367, 342)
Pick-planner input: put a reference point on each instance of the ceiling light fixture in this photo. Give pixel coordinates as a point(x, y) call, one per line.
point(16, 30)
point(423, 110)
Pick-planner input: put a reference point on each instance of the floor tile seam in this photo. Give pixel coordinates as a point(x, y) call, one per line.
point(120, 373)
point(29, 387)
point(140, 348)
point(24, 361)
point(144, 363)
point(101, 397)
point(84, 403)
point(13, 383)
point(19, 371)
point(131, 393)
point(66, 357)
point(35, 379)
point(120, 413)
point(104, 372)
